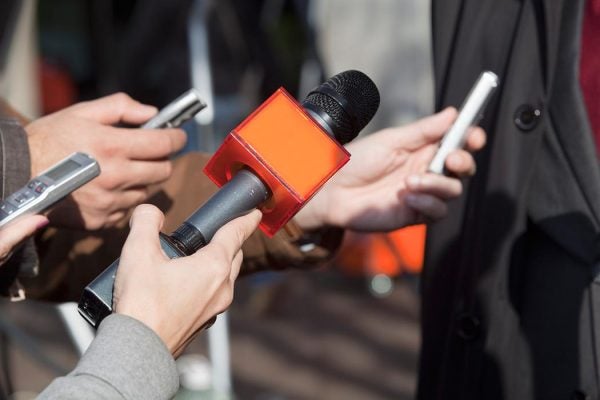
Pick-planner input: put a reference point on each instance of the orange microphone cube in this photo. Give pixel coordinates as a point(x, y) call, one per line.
point(286, 149)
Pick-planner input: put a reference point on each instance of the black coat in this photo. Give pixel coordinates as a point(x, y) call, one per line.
point(511, 293)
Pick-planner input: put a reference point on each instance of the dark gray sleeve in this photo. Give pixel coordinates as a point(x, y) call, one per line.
point(14, 156)
point(126, 360)
point(14, 173)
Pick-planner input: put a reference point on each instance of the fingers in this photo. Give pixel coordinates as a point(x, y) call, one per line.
point(132, 174)
point(430, 207)
point(150, 144)
point(232, 235)
point(108, 203)
point(440, 186)
point(476, 139)
point(15, 232)
point(146, 222)
point(116, 108)
point(236, 265)
point(426, 130)
point(460, 163)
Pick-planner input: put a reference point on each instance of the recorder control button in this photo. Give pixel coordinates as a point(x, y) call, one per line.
point(40, 188)
point(24, 197)
point(7, 208)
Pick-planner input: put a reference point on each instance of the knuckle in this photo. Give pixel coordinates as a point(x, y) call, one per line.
point(219, 252)
point(142, 195)
point(4, 252)
point(146, 209)
point(239, 235)
point(104, 203)
point(225, 299)
point(459, 189)
point(94, 222)
point(121, 98)
point(222, 271)
point(107, 145)
point(167, 169)
point(166, 143)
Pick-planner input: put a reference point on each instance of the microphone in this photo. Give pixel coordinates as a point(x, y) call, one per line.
point(276, 159)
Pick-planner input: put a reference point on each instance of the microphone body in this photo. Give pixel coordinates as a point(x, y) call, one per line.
point(239, 196)
point(276, 160)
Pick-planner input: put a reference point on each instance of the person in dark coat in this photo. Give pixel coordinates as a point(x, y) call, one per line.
point(511, 291)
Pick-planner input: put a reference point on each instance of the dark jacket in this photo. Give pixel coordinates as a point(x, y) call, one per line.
point(511, 295)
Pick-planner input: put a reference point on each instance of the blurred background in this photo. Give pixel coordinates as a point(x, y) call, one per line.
point(350, 331)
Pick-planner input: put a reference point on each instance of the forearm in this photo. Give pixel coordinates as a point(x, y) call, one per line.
point(126, 360)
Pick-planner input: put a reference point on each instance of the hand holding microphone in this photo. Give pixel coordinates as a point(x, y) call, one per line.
point(260, 165)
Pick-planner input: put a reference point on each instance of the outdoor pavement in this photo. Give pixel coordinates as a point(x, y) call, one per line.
point(294, 335)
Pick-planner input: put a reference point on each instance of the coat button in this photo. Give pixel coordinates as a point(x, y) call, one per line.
point(527, 117)
point(580, 395)
point(469, 327)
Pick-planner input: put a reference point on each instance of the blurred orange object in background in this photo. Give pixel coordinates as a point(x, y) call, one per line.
point(390, 254)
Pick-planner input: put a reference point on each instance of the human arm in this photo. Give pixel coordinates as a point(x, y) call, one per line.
point(161, 304)
point(14, 173)
point(126, 360)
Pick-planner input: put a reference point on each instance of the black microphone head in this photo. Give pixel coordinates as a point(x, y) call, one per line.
point(345, 102)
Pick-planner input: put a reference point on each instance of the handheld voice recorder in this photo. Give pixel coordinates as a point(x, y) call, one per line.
point(174, 114)
point(49, 187)
point(469, 114)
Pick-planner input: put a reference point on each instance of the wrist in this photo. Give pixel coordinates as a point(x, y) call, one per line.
point(34, 153)
point(313, 215)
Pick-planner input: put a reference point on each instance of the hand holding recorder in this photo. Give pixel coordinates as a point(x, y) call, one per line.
point(470, 113)
point(385, 185)
point(131, 159)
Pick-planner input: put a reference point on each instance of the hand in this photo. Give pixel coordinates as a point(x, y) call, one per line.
point(14, 233)
point(175, 298)
point(130, 159)
point(385, 185)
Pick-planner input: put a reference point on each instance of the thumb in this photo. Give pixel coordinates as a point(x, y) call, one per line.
point(146, 222)
point(428, 130)
point(232, 235)
point(118, 107)
point(15, 232)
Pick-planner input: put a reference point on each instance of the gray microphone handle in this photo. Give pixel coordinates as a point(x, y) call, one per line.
point(242, 194)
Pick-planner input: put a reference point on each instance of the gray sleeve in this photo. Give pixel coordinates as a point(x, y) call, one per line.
point(14, 173)
point(126, 360)
point(14, 156)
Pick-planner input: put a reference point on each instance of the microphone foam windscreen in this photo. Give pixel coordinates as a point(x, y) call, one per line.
point(350, 99)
